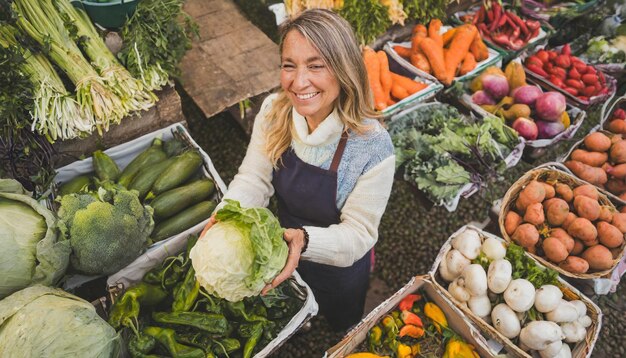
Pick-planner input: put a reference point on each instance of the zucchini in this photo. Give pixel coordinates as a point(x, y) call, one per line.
point(174, 147)
point(152, 155)
point(146, 177)
point(173, 201)
point(105, 167)
point(183, 220)
point(75, 185)
point(180, 171)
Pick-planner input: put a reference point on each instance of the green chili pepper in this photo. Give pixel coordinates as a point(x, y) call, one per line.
point(140, 346)
point(208, 322)
point(186, 292)
point(255, 334)
point(167, 338)
point(238, 310)
point(374, 338)
point(126, 309)
point(196, 339)
point(224, 347)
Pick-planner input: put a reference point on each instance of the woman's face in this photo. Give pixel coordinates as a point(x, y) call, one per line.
point(309, 83)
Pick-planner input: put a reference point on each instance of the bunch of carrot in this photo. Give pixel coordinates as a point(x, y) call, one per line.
point(387, 87)
point(446, 56)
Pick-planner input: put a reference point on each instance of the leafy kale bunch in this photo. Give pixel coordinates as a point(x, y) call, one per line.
point(442, 150)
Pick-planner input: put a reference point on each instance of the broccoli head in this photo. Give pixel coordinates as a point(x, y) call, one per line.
point(107, 231)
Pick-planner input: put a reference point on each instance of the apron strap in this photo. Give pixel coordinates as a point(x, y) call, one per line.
point(339, 152)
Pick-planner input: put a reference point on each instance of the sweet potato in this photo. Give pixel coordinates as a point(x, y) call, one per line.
point(616, 186)
point(598, 257)
point(574, 264)
point(597, 142)
point(582, 229)
point(555, 251)
point(606, 214)
point(617, 126)
point(609, 235)
point(534, 214)
point(619, 221)
point(511, 222)
point(563, 237)
point(622, 196)
point(622, 209)
point(591, 242)
point(588, 191)
point(534, 192)
point(550, 191)
point(556, 211)
point(593, 175)
point(618, 171)
point(616, 138)
point(526, 235)
point(564, 191)
point(578, 247)
point(586, 207)
point(595, 159)
point(568, 220)
point(618, 152)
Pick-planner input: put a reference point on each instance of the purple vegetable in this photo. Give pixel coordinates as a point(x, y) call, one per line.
point(526, 94)
point(481, 97)
point(496, 86)
point(550, 106)
point(526, 128)
point(549, 129)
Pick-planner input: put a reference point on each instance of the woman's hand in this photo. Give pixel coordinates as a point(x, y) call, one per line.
point(211, 222)
point(295, 242)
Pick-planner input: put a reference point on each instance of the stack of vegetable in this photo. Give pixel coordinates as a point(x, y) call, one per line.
point(455, 53)
point(531, 112)
point(568, 72)
point(442, 151)
point(571, 226)
point(169, 313)
point(503, 27)
point(387, 87)
point(416, 328)
point(506, 289)
point(617, 122)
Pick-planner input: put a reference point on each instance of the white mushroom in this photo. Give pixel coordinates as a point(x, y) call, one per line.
point(581, 308)
point(552, 350)
point(499, 275)
point(468, 242)
point(573, 332)
point(547, 297)
point(504, 319)
point(445, 273)
point(538, 335)
point(480, 305)
point(520, 295)
point(456, 262)
point(458, 291)
point(493, 248)
point(564, 312)
point(475, 279)
point(584, 321)
point(565, 352)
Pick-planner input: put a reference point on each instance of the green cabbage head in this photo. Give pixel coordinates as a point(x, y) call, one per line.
point(242, 252)
point(39, 321)
point(30, 252)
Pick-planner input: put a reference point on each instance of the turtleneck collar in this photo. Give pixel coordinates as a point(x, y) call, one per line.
point(327, 132)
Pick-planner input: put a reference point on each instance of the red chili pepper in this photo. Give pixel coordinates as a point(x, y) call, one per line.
point(535, 33)
point(589, 79)
point(573, 73)
point(479, 16)
point(502, 40)
point(407, 303)
point(589, 91)
point(515, 35)
point(533, 25)
point(490, 14)
point(575, 84)
point(572, 91)
point(519, 22)
point(566, 50)
point(411, 318)
point(538, 70)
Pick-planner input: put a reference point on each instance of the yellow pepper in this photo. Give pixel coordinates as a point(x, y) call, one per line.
point(404, 351)
point(565, 119)
point(435, 313)
point(456, 348)
point(374, 337)
point(416, 349)
point(365, 355)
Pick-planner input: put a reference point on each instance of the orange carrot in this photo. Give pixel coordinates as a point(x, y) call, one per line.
point(478, 48)
point(385, 75)
point(447, 37)
point(419, 28)
point(399, 92)
point(418, 35)
point(433, 31)
point(407, 83)
point(419, 60)
point(404, 52)
point(373, 74)
point(434, 53)
point(458, 49)
point(469, 63)
point(391, 101)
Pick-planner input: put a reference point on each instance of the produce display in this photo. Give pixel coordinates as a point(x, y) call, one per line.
point(170, 313)
point(387, 87)
point(616, 122)
point(445, 56)
point(502, 26)
point(526, 108)
point(556, 13)
point(601, 49)
point(442, 150)
point(521, 303)
point(415, 328)
point(565, 222)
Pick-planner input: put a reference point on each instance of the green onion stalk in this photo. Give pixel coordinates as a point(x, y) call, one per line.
point(40, 20)
point(55, 114)
point(132, 92)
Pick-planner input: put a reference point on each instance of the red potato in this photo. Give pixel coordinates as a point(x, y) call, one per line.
point(574, 264)
point(564, 191)
point(619, 221)
point(606, 214)
point(618, 152)
point(587, 208)
point(550, 192)
point(511, 222)
point(609, 235)
point(618, 171)
point(618, 126)
point(591, 242)
point(556, 211)
point(597, 142)
point(555, 251)
point(534, 214)
point(578, 247)
point(526, 235)
point(568, 220)
point(563, 237)
point(588, 191)
point(593, 175)
point(534, 192)
point(582, 229)
point(598, 257)
point(616, 186)
point(594, 159)
point(616, 138)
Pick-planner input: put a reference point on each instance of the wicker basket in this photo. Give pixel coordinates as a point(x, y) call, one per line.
point(608, 108)
point(552, 175)
point(582, 349)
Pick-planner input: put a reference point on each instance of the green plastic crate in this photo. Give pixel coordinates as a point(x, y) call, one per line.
point(111, 15)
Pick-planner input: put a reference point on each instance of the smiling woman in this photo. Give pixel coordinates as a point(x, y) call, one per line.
point(318, 145)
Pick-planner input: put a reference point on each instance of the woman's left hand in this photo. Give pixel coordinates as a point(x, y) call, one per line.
point(295, 242)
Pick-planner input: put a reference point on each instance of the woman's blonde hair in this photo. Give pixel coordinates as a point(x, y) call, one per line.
point(332, 36)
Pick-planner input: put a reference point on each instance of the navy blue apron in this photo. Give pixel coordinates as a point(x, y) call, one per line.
point(307, 197)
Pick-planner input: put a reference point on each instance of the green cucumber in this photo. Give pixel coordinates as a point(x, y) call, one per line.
point(75, 185)
point(179, 172)
point(183, 220)
point(105, 167)
point(173, 201)
point(154, 154)
point(146, 177)
point(174, 147)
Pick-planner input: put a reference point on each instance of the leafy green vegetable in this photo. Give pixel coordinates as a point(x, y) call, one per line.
point(424, 11)
point(525, 267)
point(242, 252)
point(369, 18)
point(601, 50)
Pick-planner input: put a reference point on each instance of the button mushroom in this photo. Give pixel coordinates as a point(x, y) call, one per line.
point(493, 248)
point(475, 279)
point(538, 335)
point(499, 275)
point(520, 295)
point(547, 297)
point(564, 312)
point(504, 319)
point(480, 305)
point(468, 243)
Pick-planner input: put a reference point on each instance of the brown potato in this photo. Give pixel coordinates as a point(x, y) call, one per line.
point(587, 190)
point(569, 220)
point(591, 242)
point(534, 214)
point(606, 214)
point(618, 152)
point(597, 142)
point(534, 192)
point(556, 211)
point(619, 221)
point(564, 237)
point(555, 251)
point(565, 192)
point(578, 247)
point(586, 207)
point(574, 264)
point(594, 159)
point(582, 229)
point(526, 235)
point(511, 222)
point(598, 257)
point(609, 235)
point(550, 191)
